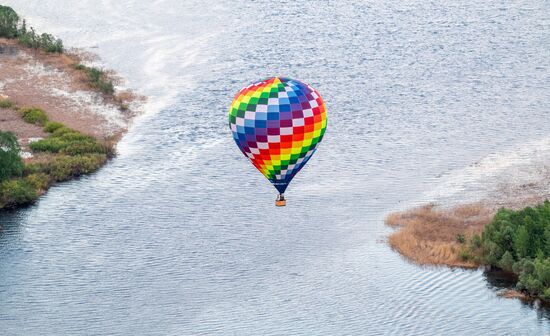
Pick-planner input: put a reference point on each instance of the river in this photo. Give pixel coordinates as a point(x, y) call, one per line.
point(179, 235)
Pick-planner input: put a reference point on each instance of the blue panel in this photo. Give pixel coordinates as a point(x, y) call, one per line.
point(261, 115)
point(273, 108)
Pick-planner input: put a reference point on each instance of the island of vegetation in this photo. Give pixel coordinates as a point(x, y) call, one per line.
point(474, 235)
point(59, 118)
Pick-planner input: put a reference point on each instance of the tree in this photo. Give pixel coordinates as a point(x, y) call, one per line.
point(521, 242)
point(506, 262)
point(8, 22)
point(10, 161)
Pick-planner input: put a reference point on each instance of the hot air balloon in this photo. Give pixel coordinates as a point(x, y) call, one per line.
point(278, 123)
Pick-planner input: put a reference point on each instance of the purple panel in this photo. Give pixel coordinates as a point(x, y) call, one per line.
point(285, 115)
point(298, 114)
point(286, 123)
point(295, 107)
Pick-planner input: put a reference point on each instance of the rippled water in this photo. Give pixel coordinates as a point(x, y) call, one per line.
point(179, 236)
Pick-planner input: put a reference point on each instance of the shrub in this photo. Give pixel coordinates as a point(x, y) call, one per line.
point(6, 103)
point(65, 167)
point(51, 144)
point(34, 115)
point(16, 192)
point(52, 126)
point(106, 87)
point(460, 238)
point(464, 255)
point(10, 161)
point(98, 79)
point(67, 141)
point(8, 22)
point(39, 181)
point(475, 242)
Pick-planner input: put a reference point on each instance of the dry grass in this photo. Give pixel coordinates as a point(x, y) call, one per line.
point(428, 235)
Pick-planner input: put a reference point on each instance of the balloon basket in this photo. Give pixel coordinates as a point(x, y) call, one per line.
point(280, 201)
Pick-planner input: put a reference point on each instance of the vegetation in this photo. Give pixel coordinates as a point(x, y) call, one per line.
point(69, 154)
point(52, 126)
point(98, 78)
point(11, 27)
point(430, 235)
point(16, 191)
point(6, 103)
point(65, 167)
point(70, 142)
point(9, 21)
point(519, 242)
point(34, 115)
point(10, 161)
point(471, 235)
point(46, 42)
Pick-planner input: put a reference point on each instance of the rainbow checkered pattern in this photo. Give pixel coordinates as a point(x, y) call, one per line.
point(278, 123)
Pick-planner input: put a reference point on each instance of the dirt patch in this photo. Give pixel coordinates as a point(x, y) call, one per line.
point(11, 120)
point(31, 77)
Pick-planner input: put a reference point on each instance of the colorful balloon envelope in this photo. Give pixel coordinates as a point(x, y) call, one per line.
point(278, 123)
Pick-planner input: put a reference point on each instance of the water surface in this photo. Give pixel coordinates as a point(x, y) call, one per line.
point(179, 236)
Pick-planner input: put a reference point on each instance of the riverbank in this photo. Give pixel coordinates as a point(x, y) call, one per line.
point(508, 230)
point(59, 117)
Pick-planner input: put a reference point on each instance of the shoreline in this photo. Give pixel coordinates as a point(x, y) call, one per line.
point(67, 118)
point(451, 236)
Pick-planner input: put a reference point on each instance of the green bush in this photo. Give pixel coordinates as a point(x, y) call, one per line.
point(16, 192)
point(39, 181)
point(98, 78)
point(464, 255)
point(460, 238)
point(519, 241)
point(9, 21)
point(65, 167)
point(52, 126)
point(106, 87)
point(67, 141)
point(10, 161)
point(34, 115)
point(6, 103)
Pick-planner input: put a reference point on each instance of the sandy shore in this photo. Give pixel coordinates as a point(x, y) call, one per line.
point(81, 118)
point(49, 81)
